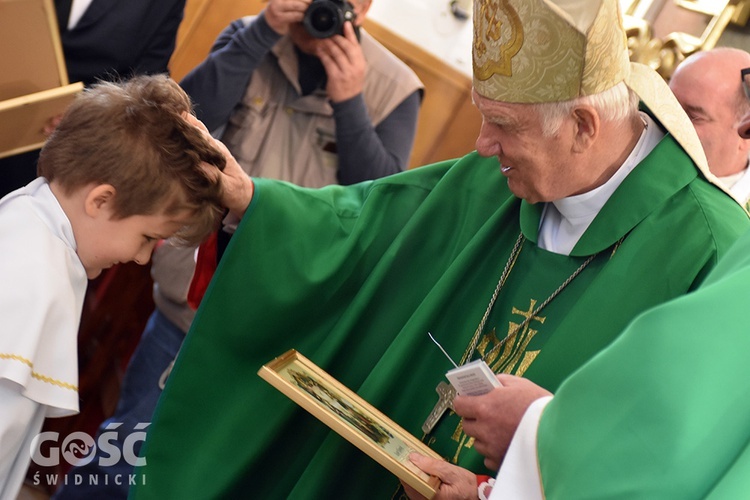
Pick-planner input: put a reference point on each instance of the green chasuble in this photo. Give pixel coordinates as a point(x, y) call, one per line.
point(664, 411)
point(354, 278)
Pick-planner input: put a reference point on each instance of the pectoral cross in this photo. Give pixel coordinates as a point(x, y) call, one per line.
point(446, 393)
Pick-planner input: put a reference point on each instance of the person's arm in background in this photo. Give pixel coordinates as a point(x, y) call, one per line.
point(368, 152)
point(219, 82)
point(364, 151)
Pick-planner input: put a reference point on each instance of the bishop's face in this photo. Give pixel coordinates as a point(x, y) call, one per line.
point(538, 168)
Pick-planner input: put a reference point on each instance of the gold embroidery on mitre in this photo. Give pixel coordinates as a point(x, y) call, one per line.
point(496, 26)
point(548, 64)
point(553, 59)
point(606, 60)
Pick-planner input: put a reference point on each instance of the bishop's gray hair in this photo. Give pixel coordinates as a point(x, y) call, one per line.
point(615, 104)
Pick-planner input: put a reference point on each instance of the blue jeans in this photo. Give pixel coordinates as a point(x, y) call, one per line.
point(121, 436)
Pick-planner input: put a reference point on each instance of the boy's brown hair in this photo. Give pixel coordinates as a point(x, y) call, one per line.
point(132, 135)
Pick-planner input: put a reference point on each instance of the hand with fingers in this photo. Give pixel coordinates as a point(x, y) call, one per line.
point(456, 483)
point(492, 418)
point(280, 14)
point(237, 187)
point(344, 63)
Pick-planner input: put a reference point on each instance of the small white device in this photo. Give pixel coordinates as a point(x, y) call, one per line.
point(472, 379)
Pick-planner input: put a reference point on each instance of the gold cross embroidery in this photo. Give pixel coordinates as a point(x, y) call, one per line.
point(512, 352)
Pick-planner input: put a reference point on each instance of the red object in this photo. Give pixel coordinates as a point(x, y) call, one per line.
point(205, 267)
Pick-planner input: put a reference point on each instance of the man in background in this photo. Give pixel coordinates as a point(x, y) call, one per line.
point(312, 111)
point(710, 89)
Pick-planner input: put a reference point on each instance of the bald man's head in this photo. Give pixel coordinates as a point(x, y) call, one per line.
point(709, 87)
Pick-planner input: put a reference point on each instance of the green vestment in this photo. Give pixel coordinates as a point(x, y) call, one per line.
point(354, 278)
point(664, 411)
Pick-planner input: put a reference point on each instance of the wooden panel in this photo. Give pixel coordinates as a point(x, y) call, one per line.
point(460, 133)
point(204, 20)
point(23, 119)
point(448, 122)
point(29, 63)
point(673, 18)
point(33, 78)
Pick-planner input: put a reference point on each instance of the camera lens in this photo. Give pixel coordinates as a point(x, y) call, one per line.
point(323, 19)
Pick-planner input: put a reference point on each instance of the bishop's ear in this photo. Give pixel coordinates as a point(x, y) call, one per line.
point(587, 127)
point(100, 200)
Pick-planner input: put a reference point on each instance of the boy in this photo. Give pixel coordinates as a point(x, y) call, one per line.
point(125, 168)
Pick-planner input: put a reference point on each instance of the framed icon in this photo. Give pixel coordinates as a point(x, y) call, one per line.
point(352, 417)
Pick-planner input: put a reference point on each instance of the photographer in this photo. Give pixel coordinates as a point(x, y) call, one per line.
point(290, 106)
point(313, 111)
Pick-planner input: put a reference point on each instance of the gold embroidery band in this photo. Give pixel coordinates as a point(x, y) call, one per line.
point(16, 357)
point(533, 51)
point(38, 376)
point(497, 27)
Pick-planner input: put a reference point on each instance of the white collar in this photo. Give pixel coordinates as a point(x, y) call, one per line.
point(77, 10)
point(565, 220)
point(738, 184)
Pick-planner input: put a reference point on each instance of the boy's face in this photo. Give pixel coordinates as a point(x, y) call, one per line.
point(112, 241)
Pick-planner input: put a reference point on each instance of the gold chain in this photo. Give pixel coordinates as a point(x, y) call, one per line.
point(503, 277)
point(501, 282)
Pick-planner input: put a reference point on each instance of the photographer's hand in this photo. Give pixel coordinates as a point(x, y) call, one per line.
point(280, 14)
point(344, 63)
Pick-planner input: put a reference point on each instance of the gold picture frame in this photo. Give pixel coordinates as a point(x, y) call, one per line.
point(353, 418)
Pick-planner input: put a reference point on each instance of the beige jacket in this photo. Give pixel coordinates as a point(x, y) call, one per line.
point(274, 133)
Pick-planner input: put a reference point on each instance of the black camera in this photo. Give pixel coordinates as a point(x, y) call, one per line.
point(325, 18)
